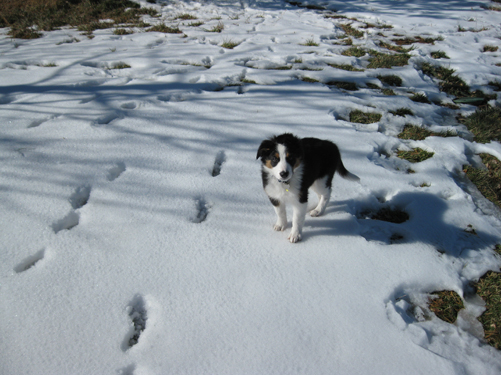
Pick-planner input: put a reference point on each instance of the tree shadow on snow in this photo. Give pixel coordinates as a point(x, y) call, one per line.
point(430, 221)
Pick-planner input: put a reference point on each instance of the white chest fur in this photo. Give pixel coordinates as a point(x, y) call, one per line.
point(284, 192)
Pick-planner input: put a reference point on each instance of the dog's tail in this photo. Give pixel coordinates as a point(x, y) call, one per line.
point(345, 173)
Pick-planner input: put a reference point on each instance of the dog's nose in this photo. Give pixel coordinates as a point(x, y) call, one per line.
point(284, 174)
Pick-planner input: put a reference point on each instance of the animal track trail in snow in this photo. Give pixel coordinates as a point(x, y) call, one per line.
point(36, 123)
point(218, 163)
point(107, 118)
point(78, 199)
point(68, 222)
point(138, 315)
point(30, 261)
point(115, 171)
point(202, 208)
point(7, 99)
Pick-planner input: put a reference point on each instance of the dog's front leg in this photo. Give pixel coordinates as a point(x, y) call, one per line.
point(299, 213)
point(281, 223)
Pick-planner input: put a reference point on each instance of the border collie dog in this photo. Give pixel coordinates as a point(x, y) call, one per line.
point(290, 166)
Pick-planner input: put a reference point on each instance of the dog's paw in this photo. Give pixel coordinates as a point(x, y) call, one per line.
point(315, 213)
point(279, 227)
point(294, 237)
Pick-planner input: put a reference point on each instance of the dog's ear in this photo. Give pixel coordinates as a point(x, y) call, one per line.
point(265, 148)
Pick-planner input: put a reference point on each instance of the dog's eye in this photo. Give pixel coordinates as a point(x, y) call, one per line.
point(274, 160)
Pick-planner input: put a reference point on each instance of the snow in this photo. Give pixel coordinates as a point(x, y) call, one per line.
point(133, 211)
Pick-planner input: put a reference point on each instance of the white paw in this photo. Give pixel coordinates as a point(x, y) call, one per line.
point(279, 227)
point(294, 237)
point(315, 213)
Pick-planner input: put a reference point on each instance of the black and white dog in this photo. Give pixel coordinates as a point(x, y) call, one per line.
point(291, 166)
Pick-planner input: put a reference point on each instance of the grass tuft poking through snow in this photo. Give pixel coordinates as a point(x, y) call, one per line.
point(488, 181)
point(446, 305)
point(419, 133)
point(416, 155)
point(489, 289)
point(485, 124)
point(362, 117)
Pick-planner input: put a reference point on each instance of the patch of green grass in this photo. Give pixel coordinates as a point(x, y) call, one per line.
point(185, 17)
point(21, 16)
point(362, 117)
point(281, 67)
point(489, 289)
point(349, 30)
point(446, 305)
point(449, 82)
point(48, 65)
point(163, 28)
point(439, 55)
point(419, 133)
point(354, 52)
point(216, 29)
point(309, 80)
point(229, 44)
point(350, 86)
point(420, 98)
point(122, 32)
point(196, 24)
point(417, 39)
point(487, 181)
point(120, 65)
point(92, 26)
point(495, 84)
point(336, 16)
point(402, 112)
point(416, 155)
point(27, 18)
point(391, 80)
point(485, 124)
point(395, 48)
point(310, 43)
point(488, 48)
point(383, 60)
point(346, 67)
point(388, 92)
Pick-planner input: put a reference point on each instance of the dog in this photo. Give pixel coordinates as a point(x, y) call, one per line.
point(292, 165)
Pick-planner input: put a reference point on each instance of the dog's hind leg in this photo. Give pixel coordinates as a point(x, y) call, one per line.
point(323, 190)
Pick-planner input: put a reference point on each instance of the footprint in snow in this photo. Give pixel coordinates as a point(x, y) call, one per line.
point(138, 315)
point(36, 123)
point(115, 171)
point(89, 99)
point(7, 99)
point(218, 163)
point(155, 44)
point(68, 222)
point(202, 208)
point(107, 118)
point(129, 105)
point(129, 370)
point(30, 261)
point(78, 199)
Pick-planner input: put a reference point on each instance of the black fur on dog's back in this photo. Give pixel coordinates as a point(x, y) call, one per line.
point(320, 158)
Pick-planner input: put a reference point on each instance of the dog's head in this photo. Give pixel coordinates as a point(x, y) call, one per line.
point(281, 155)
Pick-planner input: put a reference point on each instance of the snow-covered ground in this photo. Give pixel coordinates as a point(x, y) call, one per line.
point(122, 253)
